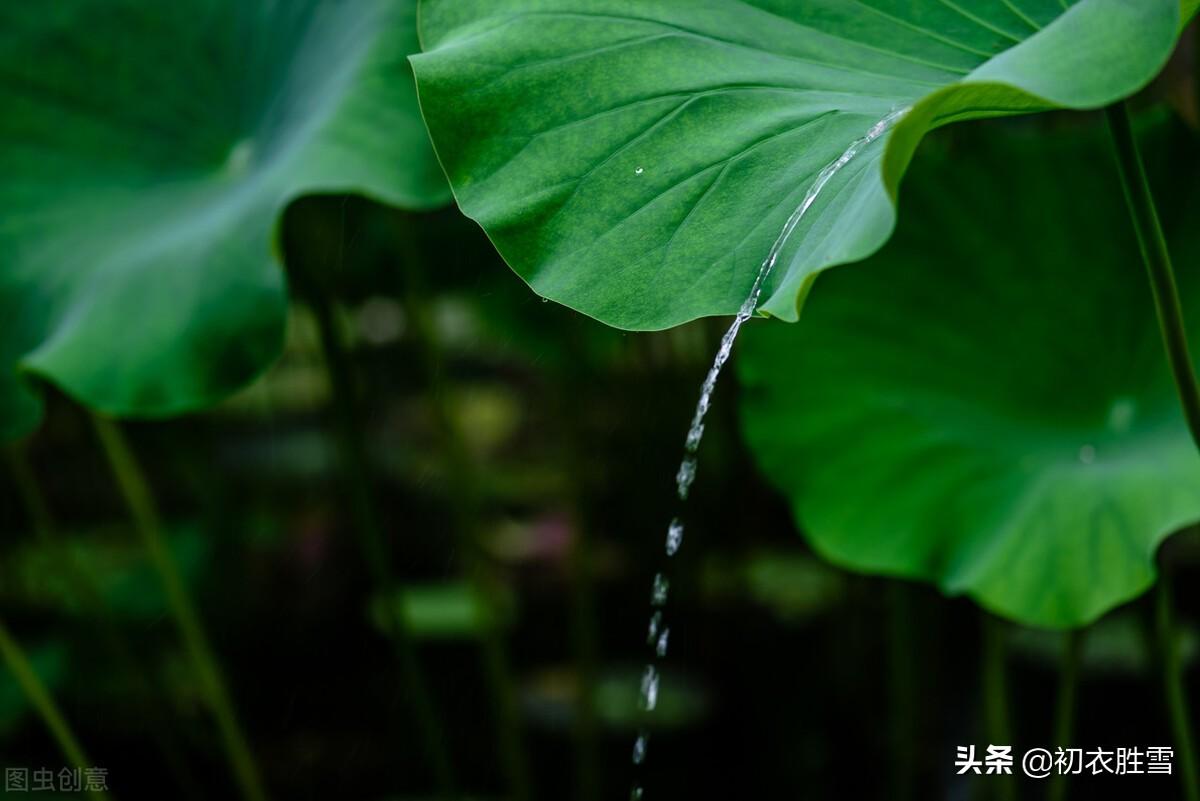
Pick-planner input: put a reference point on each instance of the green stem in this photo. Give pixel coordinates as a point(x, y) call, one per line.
point(583, 622)
point(31, 495)
point(501, 684)
point(1175, 691)
point(359, 484)
point(902, 687)
point(1157, 258)
point(1153, 246)
point(995, 698)
point(39, 696)
point(467, 513)
point(90, 597)
point(583, 636)
point(1195, 26)
point(136, 491)
point(1064, 714)
point(510, 738)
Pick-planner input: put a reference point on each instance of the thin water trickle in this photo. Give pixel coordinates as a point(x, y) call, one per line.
point(639, 748)
point(649, 695)
point(687, 469)
point(659, 590)
point(655, 622)
point(674, 536)
point(657, 633)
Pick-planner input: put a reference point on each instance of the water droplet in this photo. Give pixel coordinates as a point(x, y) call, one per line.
point(687, 468)
point(674, 537)
point(545, 300)
point(649, 693)
point(240, 157)
point(658, 595)
point(661, 648)
point(655, 623)
point(639, 749)
point(1120, 414)
point(1087, 454)
point(685, 477)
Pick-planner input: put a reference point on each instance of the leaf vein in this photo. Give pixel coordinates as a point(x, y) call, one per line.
point(982, 23)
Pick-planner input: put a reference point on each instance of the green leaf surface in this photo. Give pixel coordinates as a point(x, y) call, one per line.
point(986, 404)
point(147, 150)
point(635, 159)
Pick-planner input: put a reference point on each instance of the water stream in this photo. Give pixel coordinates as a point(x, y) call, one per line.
point(658, 634)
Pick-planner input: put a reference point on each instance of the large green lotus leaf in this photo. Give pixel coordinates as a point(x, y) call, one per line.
point(635, 159)
point(147, 149)
point(985, 404)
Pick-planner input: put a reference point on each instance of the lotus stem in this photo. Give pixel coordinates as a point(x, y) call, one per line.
point(31, 495)
point(136, 491)
point(583, 622)
point(494, 652)
point(79, 578)
point(14, 656)
point(996, 700)
point(1196, 68)
point(1174, 690)
point(41, 700)
point(584, 636)
point(1065, 709)
point(903, 689)
point(501, 684)
point(1157, 258)
point(359, 484)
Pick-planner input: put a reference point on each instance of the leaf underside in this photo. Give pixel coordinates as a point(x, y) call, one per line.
point(985, 404)
point(147, 150)
point(635, 160)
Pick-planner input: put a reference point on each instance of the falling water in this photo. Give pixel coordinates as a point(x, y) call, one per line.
point(657, 632)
